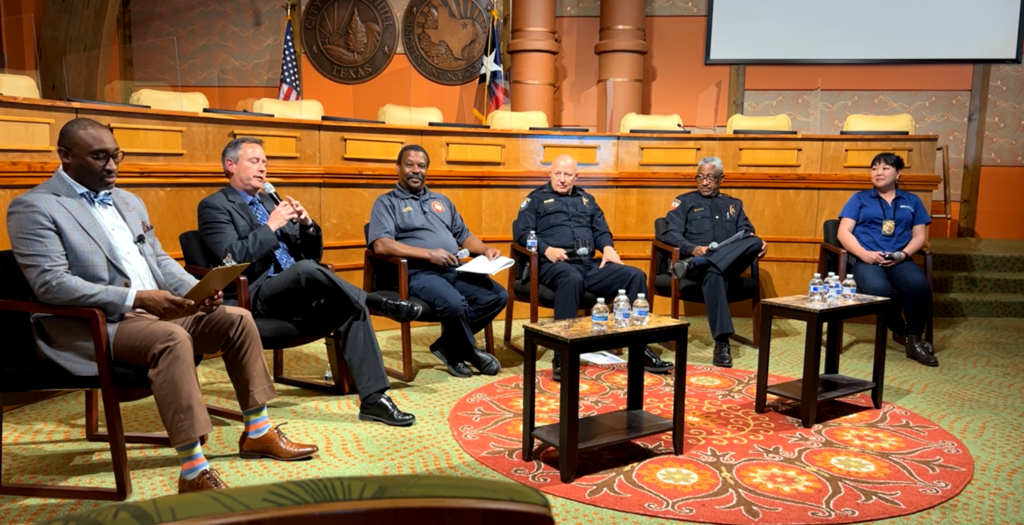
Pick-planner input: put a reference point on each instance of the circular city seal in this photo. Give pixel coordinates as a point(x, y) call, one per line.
point(349, 41)
point(445, 39)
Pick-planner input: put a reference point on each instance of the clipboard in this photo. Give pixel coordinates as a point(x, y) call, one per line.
point(218, 279)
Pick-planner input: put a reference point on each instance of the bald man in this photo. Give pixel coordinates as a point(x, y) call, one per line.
point(571, 228)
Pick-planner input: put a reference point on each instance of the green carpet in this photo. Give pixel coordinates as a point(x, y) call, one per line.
point(975, 394)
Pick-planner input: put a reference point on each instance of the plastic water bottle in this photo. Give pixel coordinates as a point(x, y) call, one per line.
point(815, 288)
point(837, 285)
point(830, 287)
point(531, 242)
point(599, 315)
point(849, 288)
point(622, 309)
point(328, 376)
point(641, 310)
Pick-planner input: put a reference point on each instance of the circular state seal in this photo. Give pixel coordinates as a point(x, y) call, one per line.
point(445, 39)
point(349, 41)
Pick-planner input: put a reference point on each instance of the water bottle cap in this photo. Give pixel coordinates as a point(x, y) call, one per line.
point(639, 295)
point(830, 274)
point(623, 291)
point(817, 275)
point(600, 299)
point(531, 231)
point(849, 276)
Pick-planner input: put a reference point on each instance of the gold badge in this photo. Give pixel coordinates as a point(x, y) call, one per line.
point(406, 209)
point(549, 201)
point(888, 227)
point(732, 210)
point(586, 201)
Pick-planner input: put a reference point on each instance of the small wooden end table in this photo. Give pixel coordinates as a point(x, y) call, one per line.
point(814, 387)
point(571, 434)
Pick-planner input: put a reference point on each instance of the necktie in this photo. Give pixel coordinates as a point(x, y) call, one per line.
point(105, 198)
point(284, 259)
point(718, 220)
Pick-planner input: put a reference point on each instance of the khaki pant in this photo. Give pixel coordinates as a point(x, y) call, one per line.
point(167, 348)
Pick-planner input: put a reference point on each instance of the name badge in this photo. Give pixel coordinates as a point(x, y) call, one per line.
point(549, 201)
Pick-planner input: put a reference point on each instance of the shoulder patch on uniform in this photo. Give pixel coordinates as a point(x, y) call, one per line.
point(675, 204)
point(586, 201)
point(526, 202)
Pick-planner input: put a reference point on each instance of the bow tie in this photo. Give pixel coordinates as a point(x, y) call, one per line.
point(105, 198)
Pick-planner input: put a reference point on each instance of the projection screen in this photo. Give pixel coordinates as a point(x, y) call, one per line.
point(865, 31)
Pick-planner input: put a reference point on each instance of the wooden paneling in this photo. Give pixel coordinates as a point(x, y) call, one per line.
point(862, 157)
point(843, 156)
point(25, 134)
point(337, 170)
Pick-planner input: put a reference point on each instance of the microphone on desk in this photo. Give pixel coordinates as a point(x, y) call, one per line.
point(268, 188)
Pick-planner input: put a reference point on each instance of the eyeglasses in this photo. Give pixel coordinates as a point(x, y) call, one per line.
point(102, 157)
point(708, 178)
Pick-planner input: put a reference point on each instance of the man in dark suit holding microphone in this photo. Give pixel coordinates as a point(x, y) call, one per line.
point(283, 245)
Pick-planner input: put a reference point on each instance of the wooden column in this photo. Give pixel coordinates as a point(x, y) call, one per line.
point(70, 28)
point(620, 49)
point(737, 90)
point(533, 48)
point(973, 154)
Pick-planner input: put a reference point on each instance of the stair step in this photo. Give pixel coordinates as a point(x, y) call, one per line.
point(978, 282)
point(978, 305)
point(989, 262)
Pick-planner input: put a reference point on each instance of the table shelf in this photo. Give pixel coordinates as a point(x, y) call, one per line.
point(609, 429)
point(830, 386)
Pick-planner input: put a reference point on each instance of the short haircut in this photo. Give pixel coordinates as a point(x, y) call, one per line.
point(714, 162)
point(889, 159)
point(73, 128)
point(233, 149)
point(412, 147)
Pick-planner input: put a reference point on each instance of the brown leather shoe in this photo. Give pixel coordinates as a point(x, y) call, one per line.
point(274, 444)
point(208, 479)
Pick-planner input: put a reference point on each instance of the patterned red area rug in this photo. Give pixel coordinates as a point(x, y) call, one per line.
point(859, 464)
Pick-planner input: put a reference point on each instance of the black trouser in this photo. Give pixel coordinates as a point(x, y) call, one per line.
point(311, 294)
point(465, 303)
point(725, 263)
point(570, 279)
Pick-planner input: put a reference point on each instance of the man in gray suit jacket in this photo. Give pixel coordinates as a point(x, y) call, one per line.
point(82, 242)
point(283, 245)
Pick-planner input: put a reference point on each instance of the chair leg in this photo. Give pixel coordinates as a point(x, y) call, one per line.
point(489, 338)
point(408, 371)
point(93, 433)
point(509, 311)
point(339, 370)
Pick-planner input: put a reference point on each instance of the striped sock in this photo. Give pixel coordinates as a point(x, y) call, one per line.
point(257, 422)
point(192, 460)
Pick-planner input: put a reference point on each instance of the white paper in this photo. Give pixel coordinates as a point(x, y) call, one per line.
point(602, 358)
point(481, 265)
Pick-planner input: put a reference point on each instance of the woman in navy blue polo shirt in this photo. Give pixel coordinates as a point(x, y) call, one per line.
point(882, 228)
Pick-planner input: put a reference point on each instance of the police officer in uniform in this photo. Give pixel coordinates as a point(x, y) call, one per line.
point(698, 219)
point(570, 228)
point(423, 226)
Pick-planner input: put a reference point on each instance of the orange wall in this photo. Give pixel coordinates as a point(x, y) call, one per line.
point(881, 77)
point(1000, 198)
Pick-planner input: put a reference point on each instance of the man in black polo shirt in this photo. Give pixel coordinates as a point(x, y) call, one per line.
point(423, 226)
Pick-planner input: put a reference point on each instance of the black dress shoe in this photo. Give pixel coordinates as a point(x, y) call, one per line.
point(455, 368)
point(722, 357)
point(385, 411)
point(487, 364)
point(401, 311)
point(556, 368)
point(678, 270)
point(918, 351)
point(902, 340)
point(654, 364)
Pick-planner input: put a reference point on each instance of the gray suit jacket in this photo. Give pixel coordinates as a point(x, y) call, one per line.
point(68, 259)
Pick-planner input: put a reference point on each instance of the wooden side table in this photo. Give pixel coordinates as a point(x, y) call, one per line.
point(813, 387)
point(571, 434)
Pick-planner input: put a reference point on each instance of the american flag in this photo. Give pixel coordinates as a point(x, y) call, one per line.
point(289, 88)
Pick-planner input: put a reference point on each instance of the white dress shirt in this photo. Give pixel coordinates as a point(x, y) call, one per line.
point(140, 276)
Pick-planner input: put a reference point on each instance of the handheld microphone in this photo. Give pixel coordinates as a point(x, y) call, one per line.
point(140, 239)
point(268, 188)
point(713, 246)
point(582, 247)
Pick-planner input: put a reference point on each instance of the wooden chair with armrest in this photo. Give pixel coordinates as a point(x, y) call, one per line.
point(524, 286)
point(376, 500)
point(833, 258)
point(389, 278)
point(22, 370)
point(661, 283)
point(275, 334)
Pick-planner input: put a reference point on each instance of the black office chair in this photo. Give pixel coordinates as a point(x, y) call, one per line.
point(661, 283)
point(389, 278)
point(23, 370)
point(524, 286)
point(833, 258)
point(275, 334)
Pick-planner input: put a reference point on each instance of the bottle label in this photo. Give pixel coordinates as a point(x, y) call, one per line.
point(531, 243)
point(850, 290)
point(622, 314)
point(600, 318)
point(815, 289)
point(641, 312)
